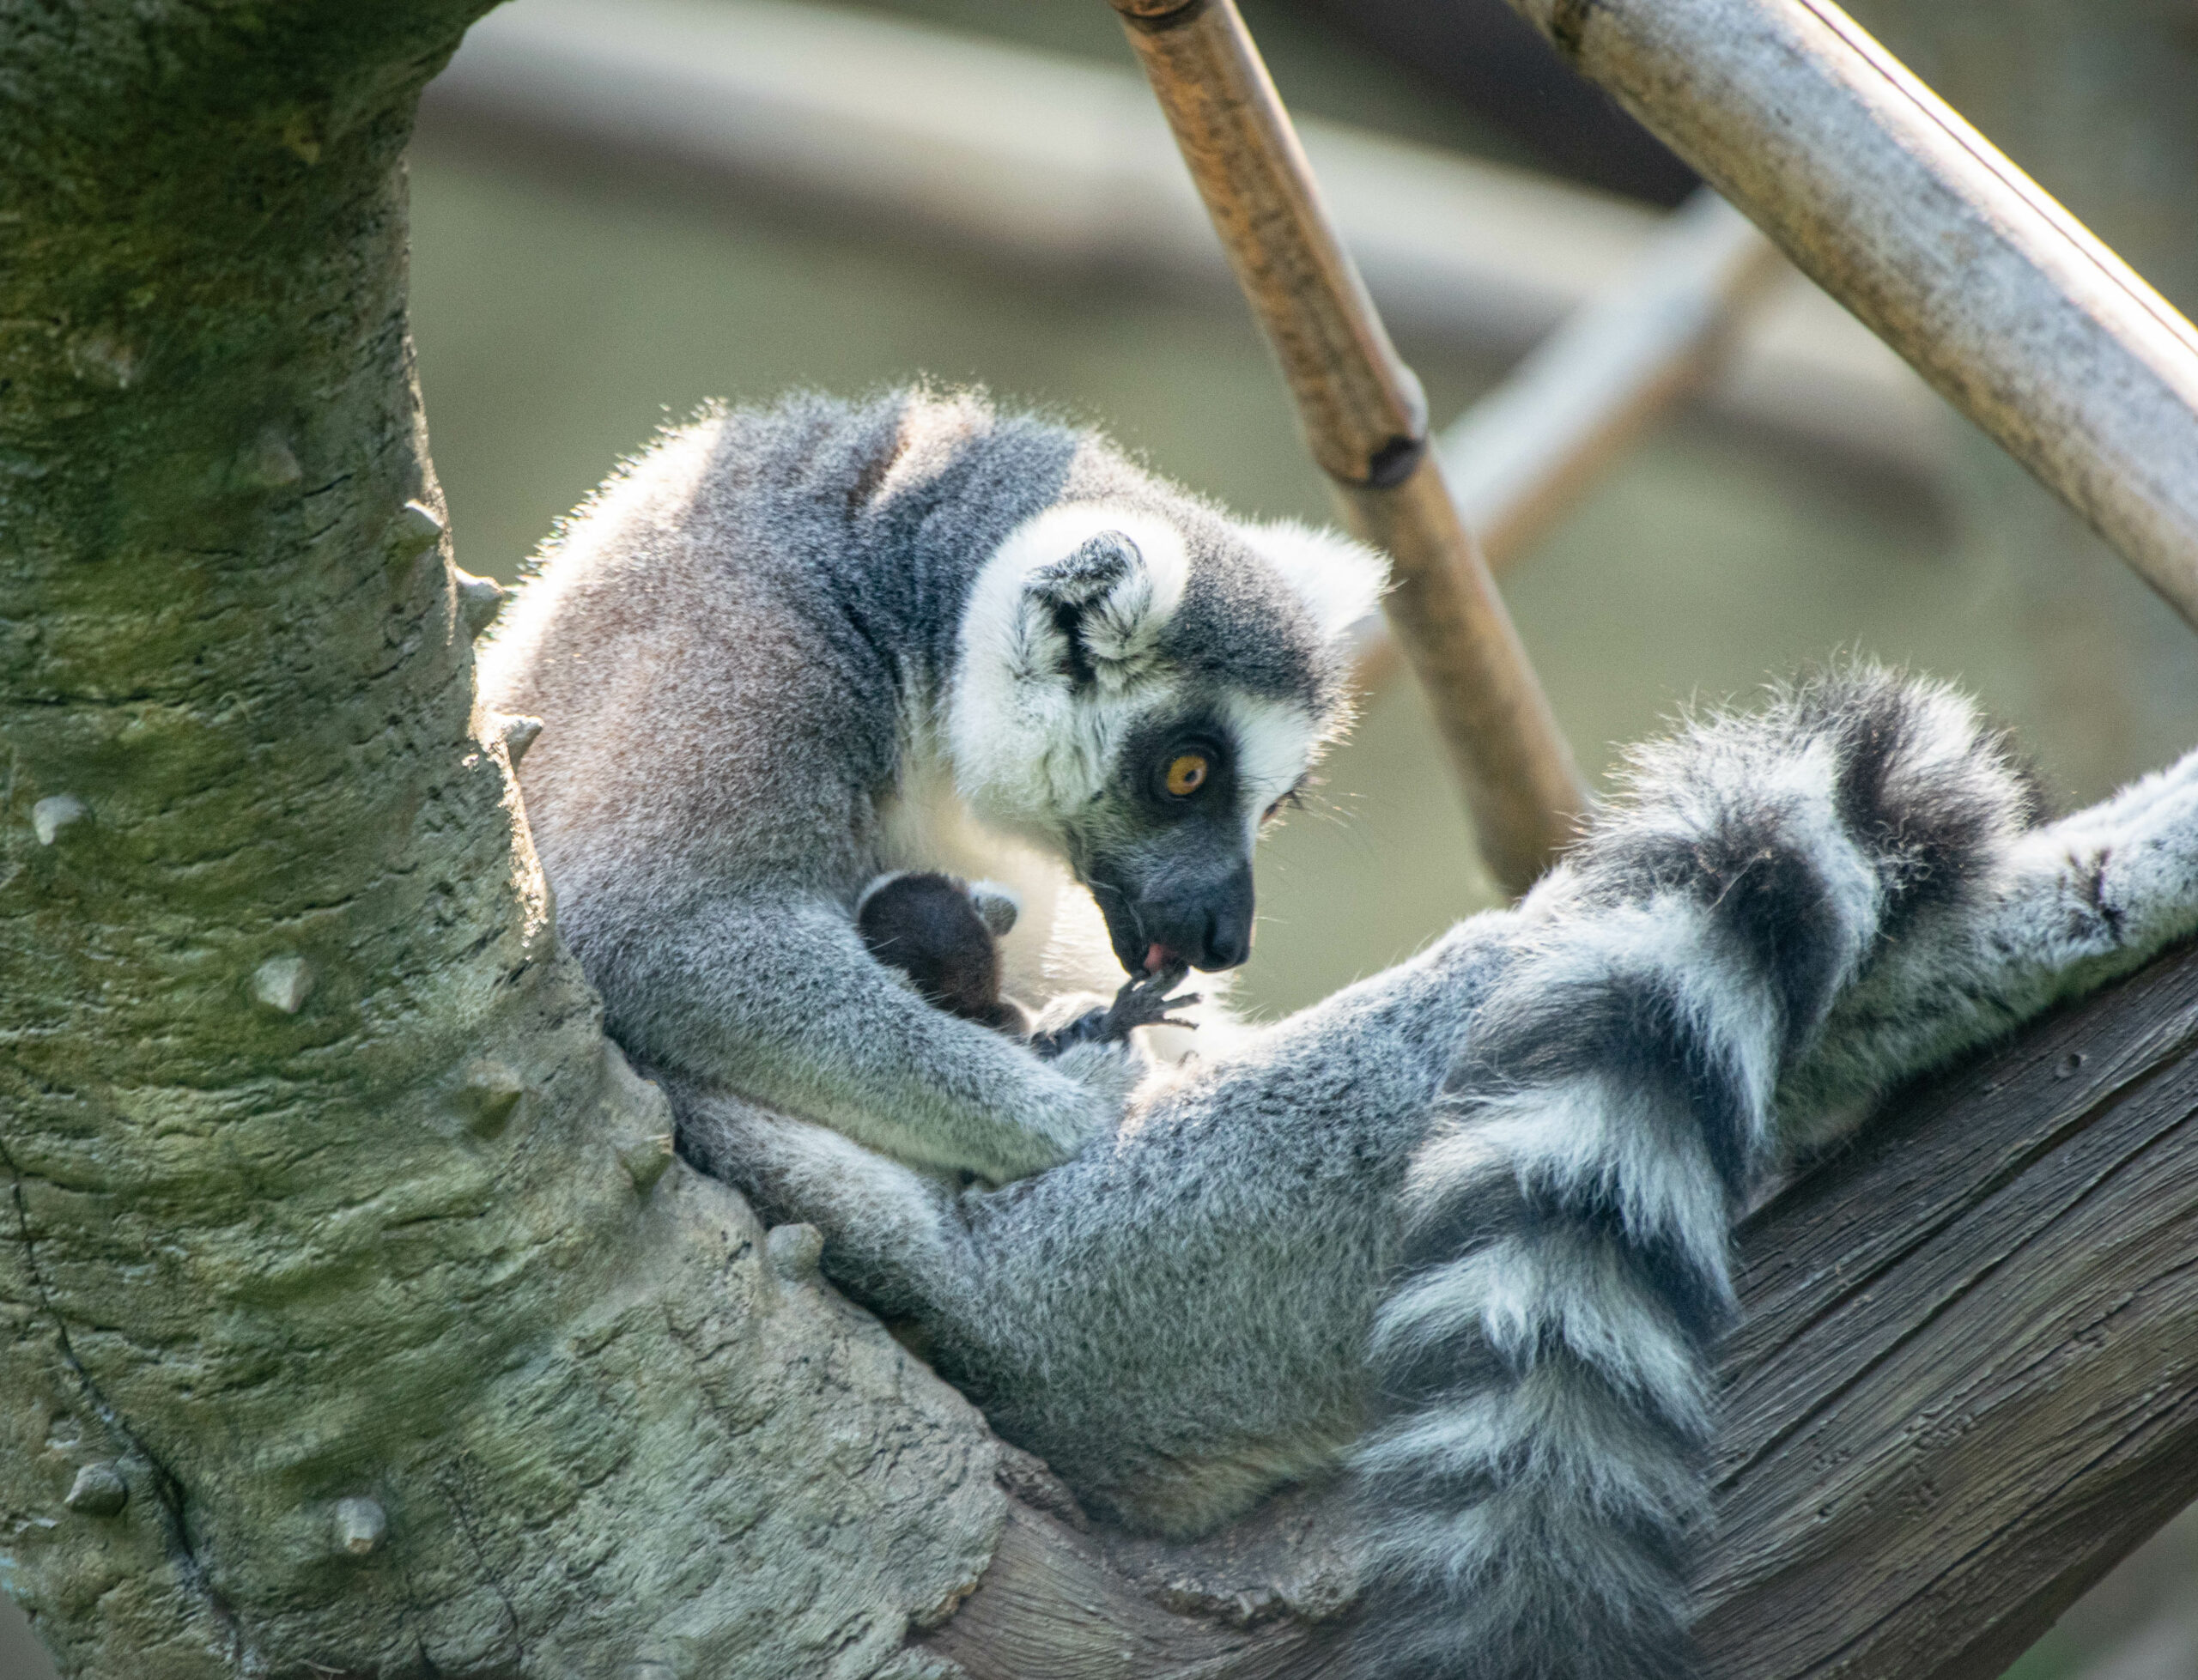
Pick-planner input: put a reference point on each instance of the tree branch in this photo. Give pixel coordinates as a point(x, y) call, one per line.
point(1966, 1386)
point(1968, 1380)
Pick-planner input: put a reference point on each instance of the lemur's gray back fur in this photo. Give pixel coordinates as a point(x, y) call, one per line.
point(1462, 1227)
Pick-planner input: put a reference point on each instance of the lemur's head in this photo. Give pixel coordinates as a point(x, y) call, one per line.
point(1143, 683)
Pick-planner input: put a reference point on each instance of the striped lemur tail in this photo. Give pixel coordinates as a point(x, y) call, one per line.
point(1542, 1359)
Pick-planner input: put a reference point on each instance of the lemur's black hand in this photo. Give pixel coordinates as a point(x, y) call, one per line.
point(1145, 1003)
point(1140, 1003)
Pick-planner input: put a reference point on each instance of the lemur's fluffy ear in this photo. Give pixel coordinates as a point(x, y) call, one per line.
point(1339, 581)
point(1094, 589)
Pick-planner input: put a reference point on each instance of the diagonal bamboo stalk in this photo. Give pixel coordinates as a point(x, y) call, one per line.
point(1887, 199)
point(1523, 452)
point(1365, 422)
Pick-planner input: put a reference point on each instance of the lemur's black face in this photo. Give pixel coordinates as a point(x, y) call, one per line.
point(1166, 848)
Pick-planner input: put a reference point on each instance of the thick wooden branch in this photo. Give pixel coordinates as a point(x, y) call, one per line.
point(1967, 1384)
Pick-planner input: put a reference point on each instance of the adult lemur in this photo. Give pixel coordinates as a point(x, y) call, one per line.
point(1463, 1226)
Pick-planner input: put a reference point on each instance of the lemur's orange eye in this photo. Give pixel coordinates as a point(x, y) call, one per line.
point(1187, 774)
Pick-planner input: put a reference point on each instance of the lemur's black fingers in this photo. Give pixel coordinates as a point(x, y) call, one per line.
point(1146, 1006)
point(1092, 1026)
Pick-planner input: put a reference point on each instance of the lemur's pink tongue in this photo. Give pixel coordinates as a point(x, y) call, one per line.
point(1155, 957)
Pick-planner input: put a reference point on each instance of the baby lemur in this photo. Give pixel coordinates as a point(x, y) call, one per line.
point(1463, 1229)
point(943, 934)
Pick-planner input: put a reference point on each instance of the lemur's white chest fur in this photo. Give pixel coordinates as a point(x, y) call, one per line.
point(1060, 941)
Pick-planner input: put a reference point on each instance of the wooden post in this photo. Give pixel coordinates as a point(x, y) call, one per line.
point(1365, 422)
point(1887, 199)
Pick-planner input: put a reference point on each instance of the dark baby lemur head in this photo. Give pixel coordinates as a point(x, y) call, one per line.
point(943, 934)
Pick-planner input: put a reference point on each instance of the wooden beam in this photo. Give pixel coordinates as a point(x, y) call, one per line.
point(1365, 422)
point(1966, 1386)
point(1968, 1380)
point(1887, 199)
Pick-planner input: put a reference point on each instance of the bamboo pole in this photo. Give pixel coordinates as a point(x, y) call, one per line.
point(1523, 452)
point(1365, 422)
point(1888, 200)
point(1520, 455)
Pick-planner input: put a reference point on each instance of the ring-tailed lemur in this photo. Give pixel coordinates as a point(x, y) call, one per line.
point(1463, 1226)
point(786, 650)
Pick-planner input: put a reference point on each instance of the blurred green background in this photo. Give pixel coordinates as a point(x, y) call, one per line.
point(562, 315)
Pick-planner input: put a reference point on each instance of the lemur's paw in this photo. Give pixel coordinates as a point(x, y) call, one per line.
point(1145, 1003)
point(1139, 1002)
point(1063, 1017)
point(1074, 1018)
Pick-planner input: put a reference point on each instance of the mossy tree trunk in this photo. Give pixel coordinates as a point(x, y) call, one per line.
point(350, 1322)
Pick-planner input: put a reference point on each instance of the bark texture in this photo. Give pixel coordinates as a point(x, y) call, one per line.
point(353, 1320)
point(1966, 1382)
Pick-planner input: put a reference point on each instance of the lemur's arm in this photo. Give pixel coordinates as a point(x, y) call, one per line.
point(777, 999)
point(2075, 903)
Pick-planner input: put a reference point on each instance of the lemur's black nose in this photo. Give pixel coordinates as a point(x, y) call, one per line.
point(1226, 939)
point(1228, 935)
point(1199, 918)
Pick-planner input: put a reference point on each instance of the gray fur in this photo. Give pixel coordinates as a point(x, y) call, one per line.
point(1463, 1227)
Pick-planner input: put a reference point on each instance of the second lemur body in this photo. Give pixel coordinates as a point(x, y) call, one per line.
point(1462, 1227)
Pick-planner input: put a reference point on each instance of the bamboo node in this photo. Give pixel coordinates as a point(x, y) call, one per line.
point(1394, 462)
point(1154, 17)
